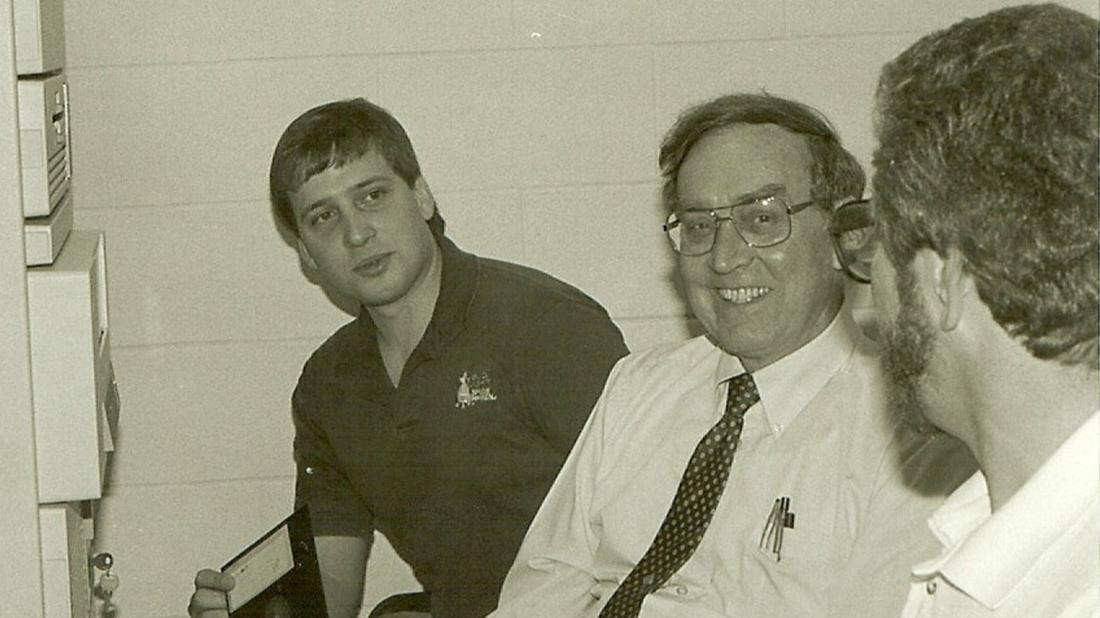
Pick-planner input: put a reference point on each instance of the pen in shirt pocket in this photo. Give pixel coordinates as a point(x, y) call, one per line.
point(779, 519)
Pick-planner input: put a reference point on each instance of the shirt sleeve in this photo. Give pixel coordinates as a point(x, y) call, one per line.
point(916, 473)
point(553, 574)
point(572, 347)
point(334, 506)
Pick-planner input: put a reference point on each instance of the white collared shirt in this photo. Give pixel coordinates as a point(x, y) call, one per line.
point(820, 435)
point(1037, 556)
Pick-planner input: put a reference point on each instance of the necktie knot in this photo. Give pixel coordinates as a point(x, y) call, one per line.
point(741, 394)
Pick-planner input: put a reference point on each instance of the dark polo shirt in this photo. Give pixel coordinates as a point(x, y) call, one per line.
point(452, 464)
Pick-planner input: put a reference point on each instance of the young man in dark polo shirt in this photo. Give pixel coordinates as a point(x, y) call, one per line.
point(442, 414)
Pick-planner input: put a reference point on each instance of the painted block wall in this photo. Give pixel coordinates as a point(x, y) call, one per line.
point(536, 122)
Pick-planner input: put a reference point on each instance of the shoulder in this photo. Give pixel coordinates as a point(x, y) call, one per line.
point(518, 286)
point(328, 358)
point(862, 374)
point(645, 387)
point(672, 359)
point(858, 395)
point(927, 464)
point(663, 371)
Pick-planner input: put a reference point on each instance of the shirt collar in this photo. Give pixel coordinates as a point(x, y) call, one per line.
point(787, 385)
point(988, 555)
point(456, 293)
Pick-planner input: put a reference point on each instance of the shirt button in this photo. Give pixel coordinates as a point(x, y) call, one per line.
point(682, 590)
point(930, 587)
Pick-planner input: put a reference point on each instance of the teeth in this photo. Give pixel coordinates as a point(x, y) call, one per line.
point(740, 296)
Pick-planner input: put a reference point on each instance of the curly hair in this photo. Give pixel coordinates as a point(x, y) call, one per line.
point(835, 173)
point(333, 135)
point(988, 145)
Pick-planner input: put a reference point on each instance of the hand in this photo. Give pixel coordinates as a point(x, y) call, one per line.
point(209, 599)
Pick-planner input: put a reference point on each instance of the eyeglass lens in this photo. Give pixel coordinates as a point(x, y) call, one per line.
point(760, 223)
point(856, 238)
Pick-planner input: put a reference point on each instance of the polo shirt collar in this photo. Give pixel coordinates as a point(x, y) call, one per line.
point(988, 555)
point(457, 289)
point(787, 385)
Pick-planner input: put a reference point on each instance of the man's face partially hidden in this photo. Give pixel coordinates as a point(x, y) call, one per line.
point(906, 338)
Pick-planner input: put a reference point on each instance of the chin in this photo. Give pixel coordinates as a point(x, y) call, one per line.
point(741, 347)
point(376, 293)
point(379, 300)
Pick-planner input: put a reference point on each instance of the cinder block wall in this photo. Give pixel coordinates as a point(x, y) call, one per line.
point(537, 124)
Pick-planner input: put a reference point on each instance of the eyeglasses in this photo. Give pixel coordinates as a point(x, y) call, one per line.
point(760, 222)
point(855, 238)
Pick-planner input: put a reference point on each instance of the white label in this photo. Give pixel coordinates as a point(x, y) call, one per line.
point(262, 566)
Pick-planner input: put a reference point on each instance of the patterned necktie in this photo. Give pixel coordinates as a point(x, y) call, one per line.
point(692, 508)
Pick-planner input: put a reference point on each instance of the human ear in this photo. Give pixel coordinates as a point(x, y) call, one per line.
point(424, 198)
point(948, 283)
point(303, 255)
point(828, 230)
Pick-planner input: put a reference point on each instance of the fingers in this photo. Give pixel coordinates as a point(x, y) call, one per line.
point(209, 598)
point(207, 603)
point(215, 580)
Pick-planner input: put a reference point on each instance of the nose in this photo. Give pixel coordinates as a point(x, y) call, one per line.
point(357, 230)
point(730, 251)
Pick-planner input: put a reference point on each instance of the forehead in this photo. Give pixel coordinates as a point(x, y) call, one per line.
point(733, 161)
point(334, 181)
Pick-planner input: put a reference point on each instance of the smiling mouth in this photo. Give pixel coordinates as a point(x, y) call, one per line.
point(742, 296)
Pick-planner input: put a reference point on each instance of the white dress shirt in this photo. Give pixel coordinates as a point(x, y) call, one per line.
point(1037, 556)
point(820, 435)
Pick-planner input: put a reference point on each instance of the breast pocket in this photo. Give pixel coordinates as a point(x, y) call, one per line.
point(798, 545)
point(793, 579)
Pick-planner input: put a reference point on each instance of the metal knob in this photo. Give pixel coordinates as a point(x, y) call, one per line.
point(108, 581)
point(103, 561)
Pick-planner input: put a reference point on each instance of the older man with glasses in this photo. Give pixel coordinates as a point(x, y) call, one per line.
point(754, 470)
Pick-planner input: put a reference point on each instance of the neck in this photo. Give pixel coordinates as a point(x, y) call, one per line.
point(1018, 411)
point(401, 324)
point(820, 323)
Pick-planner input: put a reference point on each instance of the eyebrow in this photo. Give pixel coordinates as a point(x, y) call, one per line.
point(366, 182)
point(768, 190)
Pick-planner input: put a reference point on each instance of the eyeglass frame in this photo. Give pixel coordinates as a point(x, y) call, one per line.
point(835, 232)
point(791, 209)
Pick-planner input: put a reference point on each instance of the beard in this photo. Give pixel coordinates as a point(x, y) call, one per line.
point(906, 351)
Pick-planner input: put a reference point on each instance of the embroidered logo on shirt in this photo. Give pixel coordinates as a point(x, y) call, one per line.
point(473, 388)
